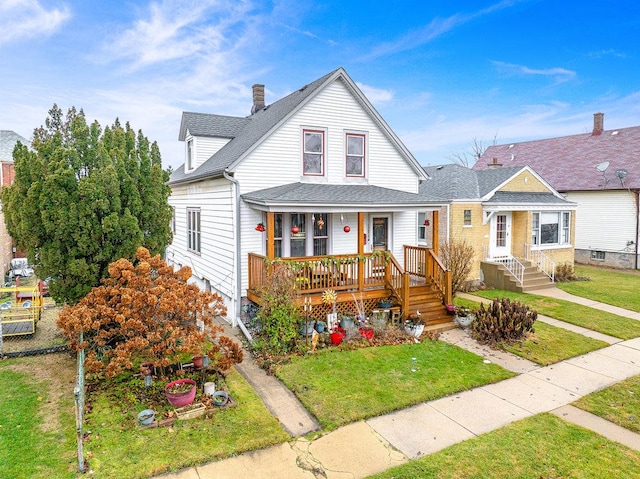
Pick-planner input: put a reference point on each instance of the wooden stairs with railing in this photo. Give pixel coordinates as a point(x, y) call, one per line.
point(428, 300)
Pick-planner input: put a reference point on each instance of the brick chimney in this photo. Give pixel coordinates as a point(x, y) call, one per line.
point(494, 163)
point(258, 98)
point(598, 124)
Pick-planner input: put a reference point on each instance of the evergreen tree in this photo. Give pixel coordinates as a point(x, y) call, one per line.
point(83, 198)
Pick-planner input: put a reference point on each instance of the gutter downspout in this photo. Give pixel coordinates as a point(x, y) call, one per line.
point(637, 226)
point(236, 251)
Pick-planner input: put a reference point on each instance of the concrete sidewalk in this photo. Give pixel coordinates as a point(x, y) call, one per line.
point(369, 447)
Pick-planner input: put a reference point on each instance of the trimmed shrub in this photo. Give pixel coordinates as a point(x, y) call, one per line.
point(503, 321)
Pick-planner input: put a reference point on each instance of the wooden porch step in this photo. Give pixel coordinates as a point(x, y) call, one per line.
point(428, 301)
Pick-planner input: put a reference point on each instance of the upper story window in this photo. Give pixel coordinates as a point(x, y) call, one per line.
point(190, 154)
point(467, 217)
point(193, 229)
point(551, 228)
point(313, 152)
point(355, 159)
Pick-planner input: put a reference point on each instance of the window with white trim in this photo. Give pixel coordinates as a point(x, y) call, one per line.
point(313, 152)
point(277, 234)
point(551, 228)
point(355, 158)
point(467, 217)
point(190, 154)
point(422, 227)
point(193, 229)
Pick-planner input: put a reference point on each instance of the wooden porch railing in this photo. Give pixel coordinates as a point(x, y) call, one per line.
point(421, 262)
point(346, 274)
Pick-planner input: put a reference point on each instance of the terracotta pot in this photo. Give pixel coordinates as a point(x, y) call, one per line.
point(197, 361)
point(182, 398)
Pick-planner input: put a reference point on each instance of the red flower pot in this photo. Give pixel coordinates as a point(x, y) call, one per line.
point(179, 399)
point(366, 332)
point(337, 335)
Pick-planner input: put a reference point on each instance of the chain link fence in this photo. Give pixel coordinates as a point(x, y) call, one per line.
point(31, 336)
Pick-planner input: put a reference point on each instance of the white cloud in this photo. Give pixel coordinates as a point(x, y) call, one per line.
point(560, 75)
point(25, 19)
point(376, 95)
point(434, 29)
point(174, 30)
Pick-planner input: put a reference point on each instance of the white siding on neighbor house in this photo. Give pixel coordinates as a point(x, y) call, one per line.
point(605, 220)
point(216, 260)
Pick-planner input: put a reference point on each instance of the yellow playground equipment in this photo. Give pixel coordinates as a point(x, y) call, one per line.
point(21, 309)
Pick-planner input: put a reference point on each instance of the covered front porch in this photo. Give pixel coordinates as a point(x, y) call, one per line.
point(417, 282)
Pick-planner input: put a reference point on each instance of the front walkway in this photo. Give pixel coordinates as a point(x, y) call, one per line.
point(369, 447)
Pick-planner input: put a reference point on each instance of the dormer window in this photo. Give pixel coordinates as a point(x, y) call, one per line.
point(190, 155)
point(355, 158)
point(313, 152)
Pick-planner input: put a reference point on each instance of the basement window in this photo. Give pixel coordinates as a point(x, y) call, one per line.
point(598, 255)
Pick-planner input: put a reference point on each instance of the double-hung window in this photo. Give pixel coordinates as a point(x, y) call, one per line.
point(193, 229)
point(551, 228)
point(355, 159)
point(422, 227)
point(313, 152)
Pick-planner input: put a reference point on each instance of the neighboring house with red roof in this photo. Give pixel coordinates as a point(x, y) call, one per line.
point(8, 140)
point(600, 171)
point(510, 216)
point(316, 179)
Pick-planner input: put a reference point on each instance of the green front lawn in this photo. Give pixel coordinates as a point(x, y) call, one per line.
point(37, 425)
point(340, 387)
point(549, 345)
point(619, 404)
point(610, 286)
point(542, 446)
point(593, 319)
point(120, 448)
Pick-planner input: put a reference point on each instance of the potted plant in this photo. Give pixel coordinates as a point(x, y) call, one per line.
point(464, 317)
point(385, 303)
point(414, 325)
point(337, 335)
point(180, 392)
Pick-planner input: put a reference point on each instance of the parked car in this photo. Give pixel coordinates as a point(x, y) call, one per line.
point(20, 267)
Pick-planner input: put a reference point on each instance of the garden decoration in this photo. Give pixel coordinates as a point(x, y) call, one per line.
point(414, 325)
point(463, 317)
point(261, 228)
point(329, 297)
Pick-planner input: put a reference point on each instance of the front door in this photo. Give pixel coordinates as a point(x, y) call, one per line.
point(380, 233)
point(500, 238)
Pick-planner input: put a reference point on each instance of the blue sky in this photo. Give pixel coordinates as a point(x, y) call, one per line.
point(441, 73)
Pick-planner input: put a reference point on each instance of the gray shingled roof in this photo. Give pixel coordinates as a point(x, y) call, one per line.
point(568, 162)
point(8, 140)
point(256, 126)
point(456, 182)
point(515, 197)
point(335, 195)
point(205, 124)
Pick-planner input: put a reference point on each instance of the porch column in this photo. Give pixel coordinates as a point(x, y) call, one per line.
point(436, 231)
point(271, 250)
point(361, 241)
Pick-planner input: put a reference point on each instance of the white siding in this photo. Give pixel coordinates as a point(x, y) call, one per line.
point(278, 160)
point(203, 148)
point(605, 220)
point(216, 260)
